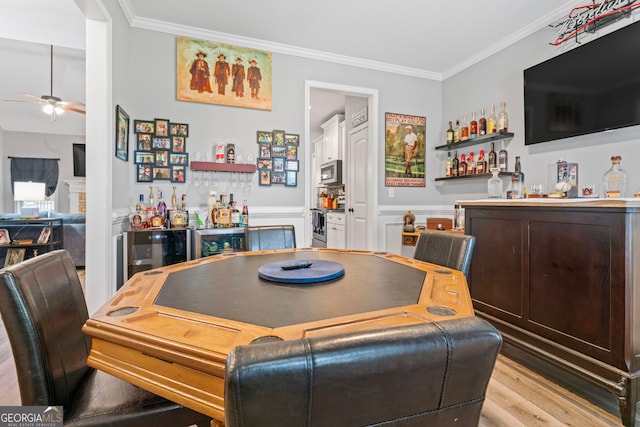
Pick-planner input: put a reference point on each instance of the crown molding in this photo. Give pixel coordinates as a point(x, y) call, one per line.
point(183, 30)
point(526, 31)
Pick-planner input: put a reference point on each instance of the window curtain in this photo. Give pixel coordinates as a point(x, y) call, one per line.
point(36, 170)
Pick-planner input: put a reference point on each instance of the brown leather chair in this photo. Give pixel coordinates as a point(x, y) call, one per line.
point(43, 309)
point(453, 250)
point(433, 374)
point(271, 237)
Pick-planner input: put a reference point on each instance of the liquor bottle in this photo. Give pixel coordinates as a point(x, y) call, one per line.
point(224, 212)
point(482, 124)
point(494, 185)
point(162, 206)
point(493, 157)
point(503, 118)
point(184, 202)
point(211, 209)
point(464, 130)
point(492, 121)
point(150, 211)
point(481, 163)
point(456, 132)
point(614, 180)
point(137, 219)
point(471, 164)
point(245, 214)
point(174, 198)
point(462, 166)
point(455, 164)
point(517, 181)
point(473, 126)
point(235, 213)
point(450, 133)
point(447, 168)
point(502, 159)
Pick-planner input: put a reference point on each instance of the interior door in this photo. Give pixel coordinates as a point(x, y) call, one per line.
point(357, 203)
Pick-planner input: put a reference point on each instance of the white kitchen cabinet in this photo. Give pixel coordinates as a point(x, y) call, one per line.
point(336, 233)
point(333, 132)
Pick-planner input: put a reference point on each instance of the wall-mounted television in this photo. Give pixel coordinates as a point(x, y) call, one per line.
point(79, 160)
point(591, 88)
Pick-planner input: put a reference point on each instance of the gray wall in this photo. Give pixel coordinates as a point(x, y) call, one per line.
point(499, 78)
point(151, 76)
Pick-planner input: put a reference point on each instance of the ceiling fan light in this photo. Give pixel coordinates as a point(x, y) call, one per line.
point(48, 109)
point(59, 110)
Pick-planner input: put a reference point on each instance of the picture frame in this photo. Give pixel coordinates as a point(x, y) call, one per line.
point(145, 157)
point(278, 151)
point(291, 139)
point(265, 150)
point(179, 174)
point(144, 173)
point(278, 177)
point(278, 164)
point(265, 163)
point(122, 134)
point(264, 137)
point(14, 256)
point(405, 150)
point(292, 152)
point(291, 166)
point(161, 143)
point(291, 179)
point(162, 127)
point(5, 238)
point(212, 57)
point(278, 138)
point(265, 177)
point(144, 141)
point(144, 126)
point(45, 234)
point(180, 159)
point(162, 159)
point(178, 144)
point(179, 129)
point(161, 173)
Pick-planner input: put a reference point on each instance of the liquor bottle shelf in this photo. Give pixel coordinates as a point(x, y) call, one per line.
point(476, 141)
point(223, 167)
point(477, 175)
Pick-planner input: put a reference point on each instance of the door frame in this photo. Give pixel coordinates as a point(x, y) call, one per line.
point(372, 160)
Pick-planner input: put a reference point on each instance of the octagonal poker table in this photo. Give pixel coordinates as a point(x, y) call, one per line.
point(169, 330)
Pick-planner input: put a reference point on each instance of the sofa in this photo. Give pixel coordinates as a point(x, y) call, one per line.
point(73, 232)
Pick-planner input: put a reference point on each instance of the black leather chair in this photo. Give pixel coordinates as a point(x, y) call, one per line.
point(451, 250)
point(43, 309)
point(271, 237)
point(433, 374)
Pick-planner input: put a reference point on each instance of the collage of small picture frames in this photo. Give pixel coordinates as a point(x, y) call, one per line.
point(161, 150)
point(278, 158)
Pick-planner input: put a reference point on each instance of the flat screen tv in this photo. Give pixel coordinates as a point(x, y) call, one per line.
point(79, 160)
point(591, 88)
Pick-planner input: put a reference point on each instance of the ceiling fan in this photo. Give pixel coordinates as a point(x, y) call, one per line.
point(52, 105)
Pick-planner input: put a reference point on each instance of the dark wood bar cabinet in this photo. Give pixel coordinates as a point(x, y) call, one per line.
point(559, 279)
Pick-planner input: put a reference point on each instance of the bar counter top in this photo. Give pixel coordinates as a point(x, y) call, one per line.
point(553, 202)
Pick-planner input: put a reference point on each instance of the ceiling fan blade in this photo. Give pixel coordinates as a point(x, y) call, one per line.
point(78, 104)
point(66, 107)
point(21, 100)
point(38, 98)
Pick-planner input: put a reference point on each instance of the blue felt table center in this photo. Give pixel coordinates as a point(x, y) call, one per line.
point(319, 271)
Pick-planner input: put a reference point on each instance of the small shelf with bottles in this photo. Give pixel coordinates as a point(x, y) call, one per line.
point(223, 167)
point(497, 136)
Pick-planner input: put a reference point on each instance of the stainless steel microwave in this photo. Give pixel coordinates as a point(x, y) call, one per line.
point(331, 172)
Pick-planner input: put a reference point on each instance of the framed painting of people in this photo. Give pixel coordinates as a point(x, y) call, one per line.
point(404, 150)
point(218, 73)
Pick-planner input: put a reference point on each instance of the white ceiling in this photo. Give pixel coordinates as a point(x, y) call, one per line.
point(425, 38)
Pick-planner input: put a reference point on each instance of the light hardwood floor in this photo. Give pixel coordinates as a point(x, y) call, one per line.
point(516, 396)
